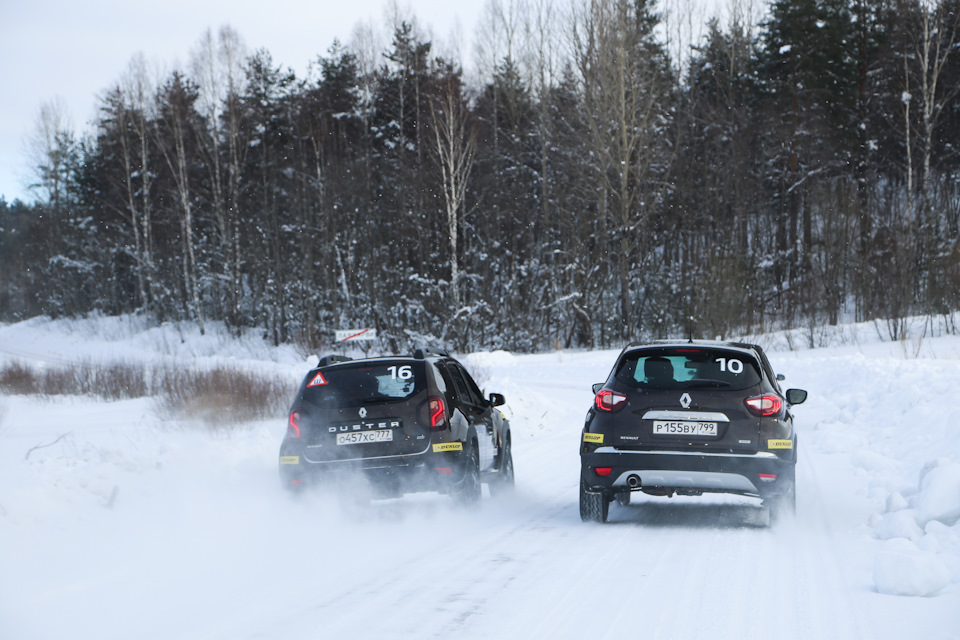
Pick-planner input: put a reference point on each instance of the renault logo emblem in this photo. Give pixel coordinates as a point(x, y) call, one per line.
point(685, 400)
point(363, 412)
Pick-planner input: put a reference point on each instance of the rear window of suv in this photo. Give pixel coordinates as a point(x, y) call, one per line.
point(693, 368)
point(348, 385)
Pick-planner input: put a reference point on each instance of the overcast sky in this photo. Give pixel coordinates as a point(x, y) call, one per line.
point(72, 51)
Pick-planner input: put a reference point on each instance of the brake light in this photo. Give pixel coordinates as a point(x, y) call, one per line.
point(607, 400)
point(766, 405)
point(438, 414)
point(293, 424)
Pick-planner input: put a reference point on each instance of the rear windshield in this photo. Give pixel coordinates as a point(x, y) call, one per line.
point(693, 368)
point(347, 385)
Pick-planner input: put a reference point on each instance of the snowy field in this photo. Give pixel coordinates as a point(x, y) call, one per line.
point(116, 523)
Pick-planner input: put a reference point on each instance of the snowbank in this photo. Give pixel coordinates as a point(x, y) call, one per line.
point(902, 569)
point(939, 497)
point(922, 534)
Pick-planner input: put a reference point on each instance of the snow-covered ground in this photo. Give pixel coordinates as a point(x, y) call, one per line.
point(117, 523)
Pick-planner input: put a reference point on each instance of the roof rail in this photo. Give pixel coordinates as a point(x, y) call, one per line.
point(423, 352)
point(332, 359)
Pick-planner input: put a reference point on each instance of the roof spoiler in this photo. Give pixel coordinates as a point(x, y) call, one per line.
point(332, 359)
point(423, 352)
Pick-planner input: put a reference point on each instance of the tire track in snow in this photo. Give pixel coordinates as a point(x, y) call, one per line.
point(822, 592)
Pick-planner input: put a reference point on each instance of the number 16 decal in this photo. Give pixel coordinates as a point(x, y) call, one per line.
point(403, 373)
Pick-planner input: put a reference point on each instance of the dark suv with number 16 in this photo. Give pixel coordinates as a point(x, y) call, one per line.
point(399, 424)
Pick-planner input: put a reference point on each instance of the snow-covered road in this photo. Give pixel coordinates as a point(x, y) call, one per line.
point(130, 527)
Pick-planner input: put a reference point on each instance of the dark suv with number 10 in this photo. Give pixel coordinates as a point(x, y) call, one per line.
point(688, 418)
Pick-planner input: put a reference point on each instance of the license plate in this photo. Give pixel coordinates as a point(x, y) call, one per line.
point(678, 428)
point(364, 437)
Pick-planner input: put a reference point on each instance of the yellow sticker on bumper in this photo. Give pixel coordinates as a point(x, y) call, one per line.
point(779, 444)
point(593, 437)
point(448, 446)
point(289, 459)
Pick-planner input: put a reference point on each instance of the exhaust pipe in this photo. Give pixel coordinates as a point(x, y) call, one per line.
point(633, 481)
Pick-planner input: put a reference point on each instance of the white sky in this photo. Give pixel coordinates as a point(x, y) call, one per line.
point(72, 51)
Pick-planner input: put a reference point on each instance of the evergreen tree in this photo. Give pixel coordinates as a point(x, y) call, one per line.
point(268, 241)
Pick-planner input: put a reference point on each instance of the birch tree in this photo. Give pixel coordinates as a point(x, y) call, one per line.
point(454, 145)
point(625, 94)
point(128, 117)
point(177, 131)
point(216, 67)
point(52, 145)
point(931, 40)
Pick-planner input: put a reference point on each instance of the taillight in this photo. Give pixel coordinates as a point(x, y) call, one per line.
point(603, 472)
point(438, 413)
point(293, 425)
point(767, 405)
point(607, 400)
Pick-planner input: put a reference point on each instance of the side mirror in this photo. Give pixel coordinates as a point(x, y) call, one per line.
point(597, 387)
point(781, 377)
point(497, 399)
point(796, 396)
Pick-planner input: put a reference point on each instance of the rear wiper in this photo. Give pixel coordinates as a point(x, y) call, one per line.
point(702, 384)
point(374, 400)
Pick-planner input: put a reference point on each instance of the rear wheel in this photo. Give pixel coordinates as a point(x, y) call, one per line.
point(467, 491)
point(784, 506)
point(594, 507)
point(503, 484)
point(294, 486)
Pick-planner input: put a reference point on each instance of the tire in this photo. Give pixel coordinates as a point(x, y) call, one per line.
point(784, 506)
point(291, 487)
point(467, 492)
point(504, 482)
point(292, 484)
point(594, 507)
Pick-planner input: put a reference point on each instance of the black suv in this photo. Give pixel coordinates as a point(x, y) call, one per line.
point(689, 418)
point(404, 423)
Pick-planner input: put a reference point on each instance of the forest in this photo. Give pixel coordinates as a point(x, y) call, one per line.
point(593, 183)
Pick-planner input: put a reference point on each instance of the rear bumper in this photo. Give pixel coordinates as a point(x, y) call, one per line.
point(423, 471)
point(762, 474)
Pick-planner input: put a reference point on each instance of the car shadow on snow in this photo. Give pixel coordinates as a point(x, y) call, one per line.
point(692, 513)
point(357, 504)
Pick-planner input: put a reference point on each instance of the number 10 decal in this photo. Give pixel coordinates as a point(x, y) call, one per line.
point(732, 365)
